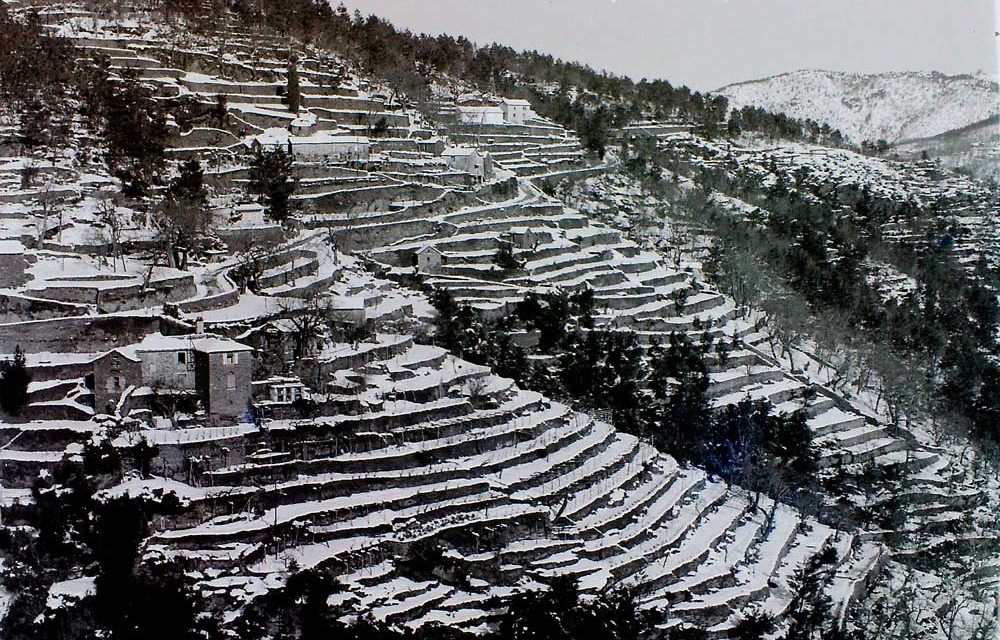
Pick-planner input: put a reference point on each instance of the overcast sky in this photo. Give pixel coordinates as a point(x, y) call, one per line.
point(709, 43)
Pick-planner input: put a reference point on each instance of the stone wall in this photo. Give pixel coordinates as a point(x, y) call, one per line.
point(12, 270)
point(83, 334)
point(213, 379)
point(15, 308)
point(113, 364)
point(125, 297)
point(184, 461)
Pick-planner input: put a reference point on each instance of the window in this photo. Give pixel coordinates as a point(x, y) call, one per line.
point(230, 382)
point(182, 357)
point(115, 384)
point(287, 394)
point(230, 358)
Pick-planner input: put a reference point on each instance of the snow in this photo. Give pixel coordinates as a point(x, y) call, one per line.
point(890, 106)
point(182, 436)
point(446, 464)
point(11, 247)
point(67, 592)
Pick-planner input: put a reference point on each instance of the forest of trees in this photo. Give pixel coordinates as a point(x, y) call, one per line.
point(779, 125)
point(819, 245)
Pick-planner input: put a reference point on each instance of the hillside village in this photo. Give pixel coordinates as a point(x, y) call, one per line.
point(270, 382)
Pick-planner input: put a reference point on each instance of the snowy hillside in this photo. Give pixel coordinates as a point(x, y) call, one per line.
point(284, 356)
point(891, 106)
point(975, 149)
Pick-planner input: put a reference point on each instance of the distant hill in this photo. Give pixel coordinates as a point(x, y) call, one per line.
point(891, 106)
point(974, 149)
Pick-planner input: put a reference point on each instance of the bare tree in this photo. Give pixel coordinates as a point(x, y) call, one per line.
point(789, 323)
point(312, 325)
point(250, 266)
point(113, 221)
point(179, 226)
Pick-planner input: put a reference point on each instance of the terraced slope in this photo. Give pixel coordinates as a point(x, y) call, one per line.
point(517, 488)
point(423, 447)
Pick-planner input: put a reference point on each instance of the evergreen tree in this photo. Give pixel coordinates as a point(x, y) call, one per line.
point(753, 627)
point(271, 180)
point(135, 129)
point(505, 258)
point(810, 612)
point(14, 381)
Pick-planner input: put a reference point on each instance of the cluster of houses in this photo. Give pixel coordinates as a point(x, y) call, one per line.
point(214, 375)
point(303, 140)
point(509, 111)
point(204, 374)
point(197, 369)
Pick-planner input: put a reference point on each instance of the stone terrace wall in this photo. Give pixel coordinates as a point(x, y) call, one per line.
point(14, 308)
point(82, 334)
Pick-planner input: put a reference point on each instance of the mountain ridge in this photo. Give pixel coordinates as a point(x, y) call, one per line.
point(894, 106)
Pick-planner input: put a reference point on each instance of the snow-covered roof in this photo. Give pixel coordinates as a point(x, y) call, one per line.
point(479, 109)
point(214, 344)
point(204, 342)
point(281, 381)
point(459, 152)
point(277, 136)
point(11, 247)
point(516, 102)
point(125, 352)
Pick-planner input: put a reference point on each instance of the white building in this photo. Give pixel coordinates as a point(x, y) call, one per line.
point(322, 144)
point(469, 160)
point(429, 260)
point(480, 115)
point(516, 111)
point(357, 148)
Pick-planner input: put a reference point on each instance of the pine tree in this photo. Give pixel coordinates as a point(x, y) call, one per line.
point(14, 380)
point(135, 129)
point(505, 258)
point(810, 612)
point(271, 180)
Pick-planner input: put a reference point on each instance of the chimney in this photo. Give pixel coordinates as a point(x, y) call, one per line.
point(199, 326)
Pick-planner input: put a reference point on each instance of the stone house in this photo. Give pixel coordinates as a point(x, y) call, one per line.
point(430, 260)
point(223, 377)
point(114, 372)
point(516, 111)
point(275, 340)
point(469, 160)
point(341, 148)
point(320, 145)
point(279, 391)
point(216, 370)
point(525, 238)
